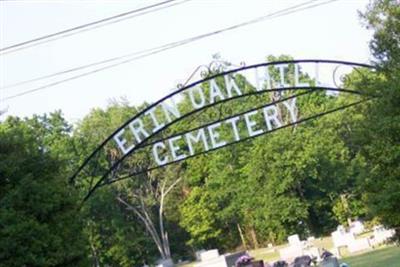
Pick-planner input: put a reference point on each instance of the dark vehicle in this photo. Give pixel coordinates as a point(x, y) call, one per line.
point(328, 260)
point(280, 264)
point(302, 261)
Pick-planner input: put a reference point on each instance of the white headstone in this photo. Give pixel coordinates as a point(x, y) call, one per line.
point(198, 253)
point(357, 227)
point(294, 240)
point(359, 245)
point(209, 255)
point(214, 262)
point(291, 252)
point(341, 239)
point(165, 263)
point(311, 238)
point(381, 234)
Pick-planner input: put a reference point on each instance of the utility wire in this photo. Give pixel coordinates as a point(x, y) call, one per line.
point(159, 49)
point(90, 26)
point(151, 49)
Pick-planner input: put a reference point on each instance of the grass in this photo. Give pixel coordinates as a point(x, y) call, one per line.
point(383, 257)
point(386, 257)
point(270, 255)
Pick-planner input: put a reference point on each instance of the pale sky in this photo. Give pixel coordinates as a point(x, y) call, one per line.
point(331, 31)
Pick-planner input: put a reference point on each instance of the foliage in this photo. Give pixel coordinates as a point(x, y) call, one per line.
point(381, 128)
point(39, 218)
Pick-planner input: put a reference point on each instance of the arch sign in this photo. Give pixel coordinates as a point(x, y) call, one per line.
point(234, 105)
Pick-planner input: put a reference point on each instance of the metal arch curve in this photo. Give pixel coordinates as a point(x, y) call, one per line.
point(139, 145)
point(239, 141)
point(143, 144)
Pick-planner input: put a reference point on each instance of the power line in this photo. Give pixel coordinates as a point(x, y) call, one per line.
point(90, 26)
point(159, 49)
point(168, 46)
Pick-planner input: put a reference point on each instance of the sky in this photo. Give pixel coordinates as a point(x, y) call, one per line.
point(331, 31)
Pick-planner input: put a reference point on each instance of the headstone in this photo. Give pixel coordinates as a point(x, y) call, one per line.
point(209, 254)
point(341, 239)
point(341, 229)
point(381, 235)
point(291, 252)
point(219, 261)
point(359, 245)
point(198, 253)
point(165, 263)
point(211, 258)
point(294, 240)
point(311, 238)
point(357, 227)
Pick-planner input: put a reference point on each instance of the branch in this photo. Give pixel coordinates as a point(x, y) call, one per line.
point(149, 225)
point(172, 186)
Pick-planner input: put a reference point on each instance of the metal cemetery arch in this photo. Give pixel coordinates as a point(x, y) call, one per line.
point(132, 136)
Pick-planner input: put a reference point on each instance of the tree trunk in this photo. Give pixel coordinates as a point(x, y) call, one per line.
point(241, 236)
point(254, 238)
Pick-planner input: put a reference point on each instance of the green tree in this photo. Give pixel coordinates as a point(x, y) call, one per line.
point(40, 224)
point(140, 200)
point(381, 128)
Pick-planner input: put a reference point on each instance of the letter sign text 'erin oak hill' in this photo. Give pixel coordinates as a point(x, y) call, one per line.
point(284, 82)
point(209, 137)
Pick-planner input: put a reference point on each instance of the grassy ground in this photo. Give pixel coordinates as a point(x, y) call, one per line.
point(386, 257)
point(270, 255)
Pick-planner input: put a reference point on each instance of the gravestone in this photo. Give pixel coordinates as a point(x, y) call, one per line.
point(198, 253)
point(356, 227)
point(211, 258)
point(291, 252)
point(294, 240)
point(209, 254)
point(381, 235)
point(310, 239)
point(342, 239)
point(165, 263)
point(359, 245)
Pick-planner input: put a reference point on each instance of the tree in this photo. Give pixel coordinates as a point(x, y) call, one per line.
point(143, 196)
point(40, 224)
point(381, 128)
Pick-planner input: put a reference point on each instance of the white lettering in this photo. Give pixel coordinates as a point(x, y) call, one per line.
point(233, 121)
point(175, 149)
point(260, 80)
point(282, 68)
point(153, 117)
point(156, 155)
point(200, 93)
point(317, 82)
point(200, 136)
point(215, 135)
point(231, 84)
point(271, 118)
point(292, 109)
point(296, 78)
point(250, 124)
point(173, 109)
point(122, 141)
point(215, 91)
point(137, 128)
